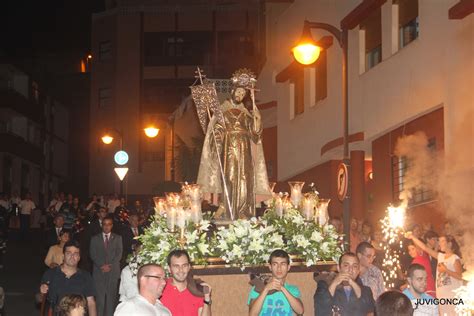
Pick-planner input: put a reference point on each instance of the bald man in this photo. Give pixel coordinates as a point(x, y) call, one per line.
point(151, 282)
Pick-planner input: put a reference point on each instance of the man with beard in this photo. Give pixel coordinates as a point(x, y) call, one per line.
point(345, 295)
point(277, 297)
point(416, 279)
point(151, 282)
point(177, 296)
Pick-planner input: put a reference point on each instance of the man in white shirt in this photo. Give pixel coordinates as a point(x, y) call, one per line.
point(113, 203)
point(26, 206)
point(151, 282)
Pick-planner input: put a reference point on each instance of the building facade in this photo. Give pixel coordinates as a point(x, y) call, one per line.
point(33, 136)
point(145, 54)
point(410, 70)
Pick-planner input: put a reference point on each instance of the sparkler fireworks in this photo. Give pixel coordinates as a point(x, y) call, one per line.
point(392, 228)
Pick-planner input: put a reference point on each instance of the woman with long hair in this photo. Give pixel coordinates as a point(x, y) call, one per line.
point(449, 269)
point(55, 254)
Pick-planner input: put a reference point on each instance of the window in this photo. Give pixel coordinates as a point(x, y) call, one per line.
point(408, 26)
point(321, 77)
point(105, 50)
point(235, 43)
point(298, 95)
point(163, 96)
point(7, 174)
point(183, 48)
point(25, 179)
point(400, 167)
point(372, 27)
point(105, 97)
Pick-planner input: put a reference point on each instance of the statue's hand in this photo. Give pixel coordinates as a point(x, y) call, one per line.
point(257, 120)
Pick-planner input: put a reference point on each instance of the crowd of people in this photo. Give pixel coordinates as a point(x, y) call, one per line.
point(87, 272)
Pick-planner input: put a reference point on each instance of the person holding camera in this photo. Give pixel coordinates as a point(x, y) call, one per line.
point(277, 297)
point(182, 296)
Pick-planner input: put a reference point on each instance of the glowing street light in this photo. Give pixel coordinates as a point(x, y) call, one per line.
point(107, 139)
point(151, 131)
point(307, 51)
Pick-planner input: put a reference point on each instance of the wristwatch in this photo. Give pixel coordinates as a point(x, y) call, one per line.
point(207, 302)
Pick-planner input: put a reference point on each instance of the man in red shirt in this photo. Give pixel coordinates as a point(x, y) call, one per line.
point(176, 295)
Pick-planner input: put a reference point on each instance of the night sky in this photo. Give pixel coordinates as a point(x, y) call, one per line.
point(32, 28)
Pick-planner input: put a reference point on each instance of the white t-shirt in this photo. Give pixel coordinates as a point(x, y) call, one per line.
point(446, 284)
point(128, 284)
point(139, 306)
point(112, 204)
point(26, 206)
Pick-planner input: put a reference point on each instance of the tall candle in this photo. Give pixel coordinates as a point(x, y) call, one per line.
point(279, 206)
point(181, 218)
point(171, 218)
point(308, 208)
point(196, 213)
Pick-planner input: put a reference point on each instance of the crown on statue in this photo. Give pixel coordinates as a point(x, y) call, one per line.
point(244, 78)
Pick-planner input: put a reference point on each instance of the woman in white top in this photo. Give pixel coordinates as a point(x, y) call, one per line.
point(55, 254)
point(448, 271)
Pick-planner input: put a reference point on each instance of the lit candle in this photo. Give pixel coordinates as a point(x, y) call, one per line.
point(308, 208)
point(196, 213)
point(322, 215)
point(279, 206)
point(194, 192)
point(296, 187)
point(171, 218)
point(181, 217)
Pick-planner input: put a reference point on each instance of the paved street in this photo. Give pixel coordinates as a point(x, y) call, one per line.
point(21, 274)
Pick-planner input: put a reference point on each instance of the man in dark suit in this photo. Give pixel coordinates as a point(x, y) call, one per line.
point(94, 228)
point(106, 253)
point(52, 236)
point(128, 235)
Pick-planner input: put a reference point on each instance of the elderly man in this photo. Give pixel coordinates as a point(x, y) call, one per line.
point(370, 275)
point(345, 295)
point(68, 279)
point(151, 282)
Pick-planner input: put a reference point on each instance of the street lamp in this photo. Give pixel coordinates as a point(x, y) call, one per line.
point(107, 139)
point(151, 131)
point(306, 53)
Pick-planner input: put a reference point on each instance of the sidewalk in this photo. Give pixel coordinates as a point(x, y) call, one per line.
point(20, 277)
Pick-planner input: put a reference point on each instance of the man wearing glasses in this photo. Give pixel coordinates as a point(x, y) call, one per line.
point(177, 296)
point(370, 275)
point(68, 279)
point(151, 282)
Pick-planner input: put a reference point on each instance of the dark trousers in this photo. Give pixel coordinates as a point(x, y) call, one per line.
point(24, 226)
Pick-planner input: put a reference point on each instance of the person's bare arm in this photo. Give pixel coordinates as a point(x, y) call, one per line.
point(421, 245)
point(457, 273)
point(91, 306)
point(295, 302)
point(257, 304)
point(206, 309)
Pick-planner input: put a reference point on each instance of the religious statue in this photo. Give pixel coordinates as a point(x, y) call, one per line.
point(232, 162)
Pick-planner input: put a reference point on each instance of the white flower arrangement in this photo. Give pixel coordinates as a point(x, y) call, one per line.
point(242, 243)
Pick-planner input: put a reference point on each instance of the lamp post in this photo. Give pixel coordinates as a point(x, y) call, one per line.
point(306, 53)
point(121, 157)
